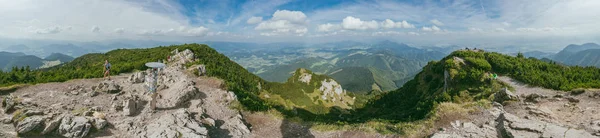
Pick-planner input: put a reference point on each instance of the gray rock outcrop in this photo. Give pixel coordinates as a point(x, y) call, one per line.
point(178, 124)
point(100, 123)
point(201, 70)
point(508, 125)
point(74, 127)
point(504, 95)
point(29, 124)
point(138, 77)
point(129, 107)
point(236, 127)
point(178, 94)
point(52, 125)
point(8, 103)
point(107, 87)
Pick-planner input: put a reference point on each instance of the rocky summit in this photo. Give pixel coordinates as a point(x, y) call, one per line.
point(187, 107)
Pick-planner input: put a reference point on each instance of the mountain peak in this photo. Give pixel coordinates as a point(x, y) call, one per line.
point(577, 48)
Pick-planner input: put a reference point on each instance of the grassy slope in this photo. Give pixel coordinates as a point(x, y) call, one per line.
point(355, 79)
point(307, 96)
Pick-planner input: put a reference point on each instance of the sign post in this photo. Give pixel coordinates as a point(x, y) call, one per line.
point(152, 88)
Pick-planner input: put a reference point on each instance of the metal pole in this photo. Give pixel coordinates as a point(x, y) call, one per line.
point(153, 96)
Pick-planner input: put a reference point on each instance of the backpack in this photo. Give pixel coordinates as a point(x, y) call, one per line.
point(107, 66)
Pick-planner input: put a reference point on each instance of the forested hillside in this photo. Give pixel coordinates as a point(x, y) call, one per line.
point(60, 57)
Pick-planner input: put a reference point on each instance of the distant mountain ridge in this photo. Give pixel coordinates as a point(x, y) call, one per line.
point(582, 55)
point(59, 57)
point(382, 66)
point(10, 60)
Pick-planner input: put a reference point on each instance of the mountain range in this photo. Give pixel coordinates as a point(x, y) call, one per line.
point(10, 60)
point(359, 67)
point(582, 55)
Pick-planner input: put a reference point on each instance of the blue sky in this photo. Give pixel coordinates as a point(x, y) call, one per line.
point(550, 23)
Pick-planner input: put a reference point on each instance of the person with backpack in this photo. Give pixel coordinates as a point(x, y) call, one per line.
point(106, 69)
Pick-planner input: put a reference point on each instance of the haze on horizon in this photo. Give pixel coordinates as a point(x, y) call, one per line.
point(547, 25)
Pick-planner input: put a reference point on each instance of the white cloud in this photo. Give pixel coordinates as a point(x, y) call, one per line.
point(296, 17)
point(120, 30)
point(477, 30)
point(254, 20)
point(352, 23)
point(284, 22)
point(431, 29)
point(74, 19)
point(154, 32)
point(198, 31)
point(388, 24)
point(388, 33)
point(95, 29)
point(506, 24)
point(182, 31)
point(327, 27)
point(50, 30)
point(437, 22)
point(500, 30)
point(545, 29)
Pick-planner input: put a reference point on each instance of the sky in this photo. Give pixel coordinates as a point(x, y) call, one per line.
point(538, 23)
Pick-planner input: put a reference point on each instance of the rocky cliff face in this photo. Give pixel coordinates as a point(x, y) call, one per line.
point(186, 107)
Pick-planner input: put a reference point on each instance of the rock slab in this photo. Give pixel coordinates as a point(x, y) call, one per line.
point(74, 127)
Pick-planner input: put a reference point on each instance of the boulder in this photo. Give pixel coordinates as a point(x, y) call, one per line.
point(108, 87)
point(100, 123)
point(92, 94)
point(178, 124)
point(572, 99)
point(137, 77)
point(74, 127)
point(99, 115)
point(236, 127)
point(6, 120)
point(33, 112)
point(187, 54)
point(504, 95)
point(208, 121)
point(595, 126)
point(129, 107)
point(178, 95)
point(201, 70)
point(29, 124)
point(534, 98)
point(9, 102)
point(52, 125)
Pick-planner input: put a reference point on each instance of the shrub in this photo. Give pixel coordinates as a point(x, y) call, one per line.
point(577, 91)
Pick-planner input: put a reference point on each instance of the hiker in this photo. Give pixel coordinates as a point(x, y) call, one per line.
point(106, 69)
